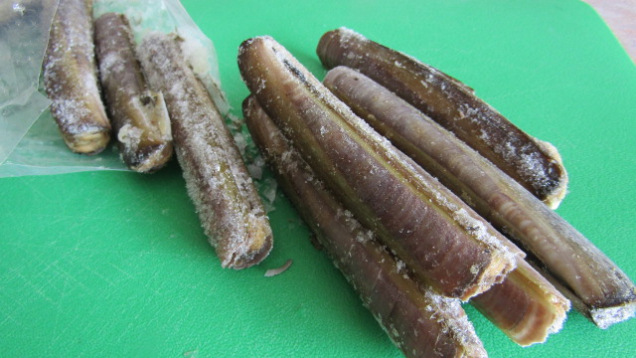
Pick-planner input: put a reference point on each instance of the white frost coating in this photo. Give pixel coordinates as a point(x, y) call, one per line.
point(70, 110)
point(130, 135)
point(241, 142)
point(605, 317)
point(474, 226)
point(421, 181)
point(196, 54)
point(168, 16)
point(558, 323)
point(256, 167)
point(70, 80)
point(218, 183)
point(351, 223)
point(75, 39)
point(360, 252)
point(269, 188)
point(30, 156)
point(525, 222)
point(110, 63)
point(195, 48)
point(348, 34)
point(535, 166)
point(139, 116)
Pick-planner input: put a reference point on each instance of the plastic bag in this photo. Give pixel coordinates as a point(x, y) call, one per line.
point(30, 143)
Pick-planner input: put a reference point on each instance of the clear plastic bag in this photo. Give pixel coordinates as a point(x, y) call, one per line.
point(30, 143)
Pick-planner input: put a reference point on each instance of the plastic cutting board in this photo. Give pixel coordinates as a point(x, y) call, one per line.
point(116, 264)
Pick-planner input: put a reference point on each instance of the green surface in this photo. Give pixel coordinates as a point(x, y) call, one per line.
point(115, 264)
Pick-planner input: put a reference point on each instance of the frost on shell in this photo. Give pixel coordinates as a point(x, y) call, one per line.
point(217, 180)
point(453, 104)
point(342, 137)
point(70, 80)
point(414, 318)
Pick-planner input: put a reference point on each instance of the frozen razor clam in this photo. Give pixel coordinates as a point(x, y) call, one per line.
point(223, 193)
point(596, 286)
point(70, 79)
point(139, 115)
point(420, 322)
point(526, 306)
point(533, 163)
point(440, 238)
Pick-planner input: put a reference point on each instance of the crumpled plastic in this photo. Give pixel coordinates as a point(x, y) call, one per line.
point(30, 142)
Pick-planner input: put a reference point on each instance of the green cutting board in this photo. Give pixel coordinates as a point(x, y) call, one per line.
point(116, 264)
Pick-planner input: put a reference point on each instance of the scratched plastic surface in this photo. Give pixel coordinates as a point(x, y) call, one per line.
point(116, 264)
